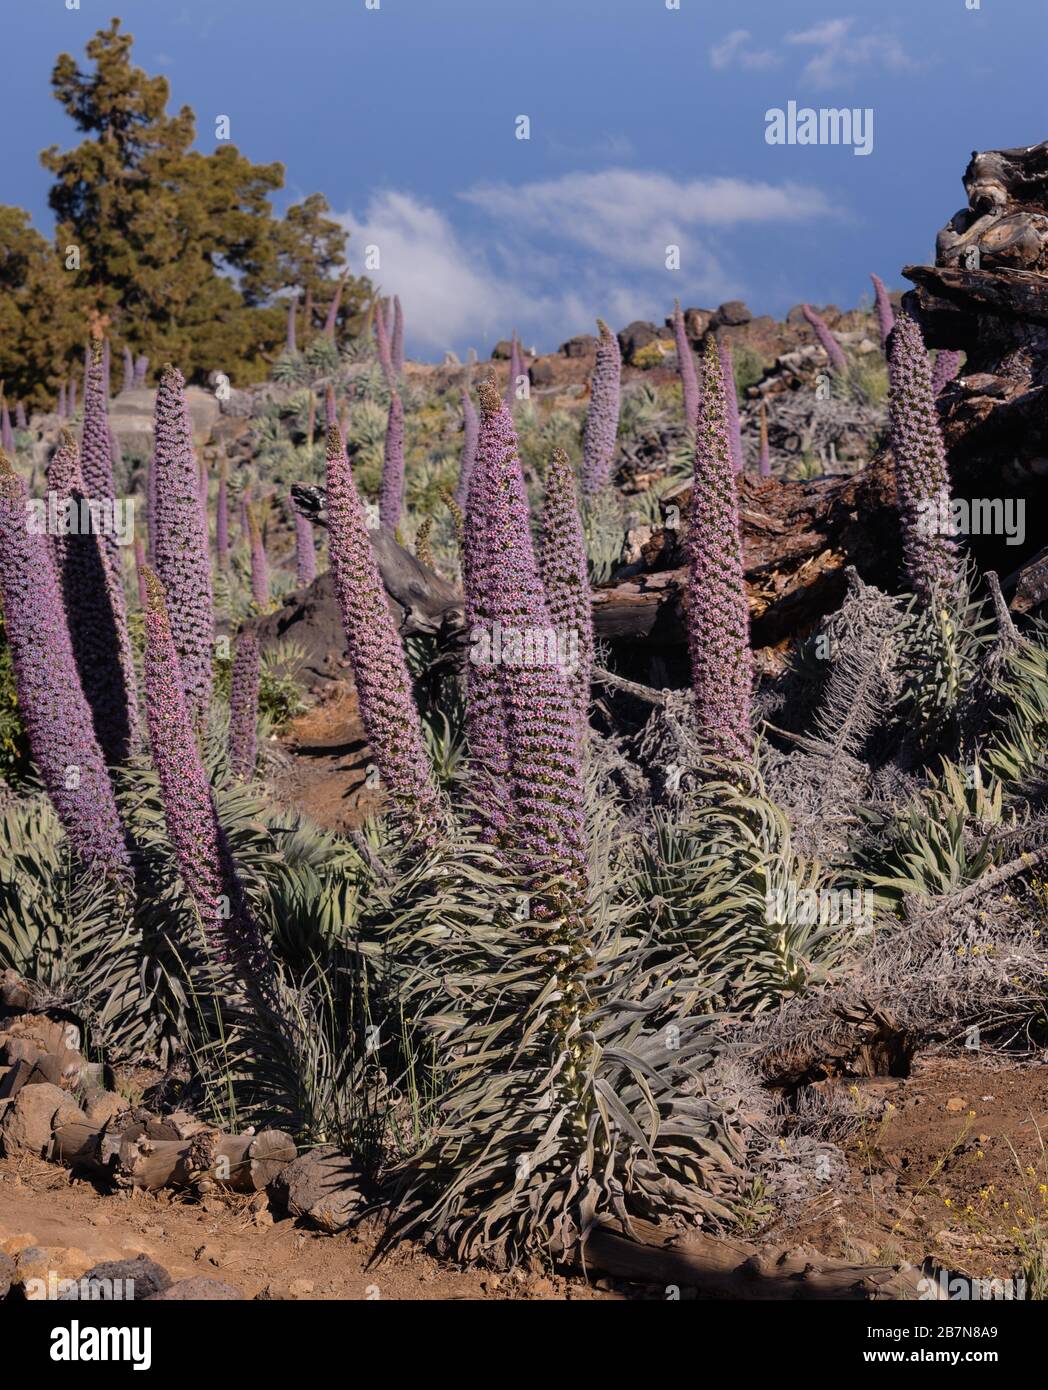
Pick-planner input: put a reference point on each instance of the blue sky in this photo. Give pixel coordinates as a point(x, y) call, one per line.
point(647, 129)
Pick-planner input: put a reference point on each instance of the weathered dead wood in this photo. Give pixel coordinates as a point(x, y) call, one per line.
point(723, 1268)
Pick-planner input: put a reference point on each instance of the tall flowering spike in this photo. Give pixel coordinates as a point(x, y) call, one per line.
point(20, 421)
point(180, 553)
point(332, 313)
point(731, 405)
point(486, 734)
point(305, 549)
point(222, 517)
point(105, 366)
point(71, 398)
point(547, 833)
point(243, 707)
point(55, 713)
point(193, 827)
point(602, 419)
point(289, 343)
point(565, 575)
point(259, 562)
point(129, 370)
point(391, 320)
point(397, 338)
point(96, 464)
point(947, 365)
point(718, 614)
point(141, 370)
point(61, 407)
point(245, 530)
point(385, 352)
point(391, 496)
point(689, 377)
point(387, 707)
point(765, 453)
point(829, 343)
point(885, 312)
point(470, 434)
point(94, 607)
point(922, 481)
point(7, 434)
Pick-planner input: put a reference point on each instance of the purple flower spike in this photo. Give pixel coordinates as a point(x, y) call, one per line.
point(547, 834)
point(565, 575)
point(61, 407)
point(51, 700)
point(689, 377)
point(602, 419)
point(7, 434)
point(718, 614)
point(470, 434)
point(243, 707)
point(96, 463)
point(385, 352)
point(71, 398)
point(828, 342)
point(397, 343)
point(141, 370)
point(129, 370)
point(181, 555)
point(384, 691)
point(259, 562)
point(391, 496)
point(922, 480)
point(731, 405)
point(97, 620)
point(947, 365)
point(885, 312)
point(193, 827)
point(305, 549)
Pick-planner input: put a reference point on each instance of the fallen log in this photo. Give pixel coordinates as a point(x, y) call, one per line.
point(719, 1267)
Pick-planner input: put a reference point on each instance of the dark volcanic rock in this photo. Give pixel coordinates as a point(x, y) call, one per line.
point(733, 312)
point(582, 345)
point(147, 1277)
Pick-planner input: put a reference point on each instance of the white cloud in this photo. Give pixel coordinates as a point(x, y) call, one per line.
point(548, 256)
point(734, 51)
point(448, 288)
point(840, 53)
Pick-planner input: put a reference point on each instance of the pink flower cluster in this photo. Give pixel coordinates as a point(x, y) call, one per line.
point(602, 418)
point(565, 576)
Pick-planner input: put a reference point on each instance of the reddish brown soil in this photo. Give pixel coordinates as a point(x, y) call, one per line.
point(950, 1163)
point(326, 775)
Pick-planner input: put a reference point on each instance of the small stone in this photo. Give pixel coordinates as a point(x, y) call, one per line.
point(956, 1103)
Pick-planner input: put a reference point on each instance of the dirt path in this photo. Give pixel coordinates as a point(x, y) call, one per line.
point(325, 764)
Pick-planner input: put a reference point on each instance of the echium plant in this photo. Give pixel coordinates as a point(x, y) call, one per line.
point(689, 377)
point(885, 312)
point(827, 341)
point(199, 843)
point(565, 576)
point(385, 351)
point(947, 364)
point(7, 434)
point(305, 548)
point(396, 347)
point(547, 831)
point(718, 614)
point(602, 418)
point(222, 518)
point(243, 706)
point(470, 434)
point(486, 736)
point(96, 464)
point(391, 495)
point(180, 549)
point(930, 558)
point(384, 691)
point(55, 713)
point(88, 591)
